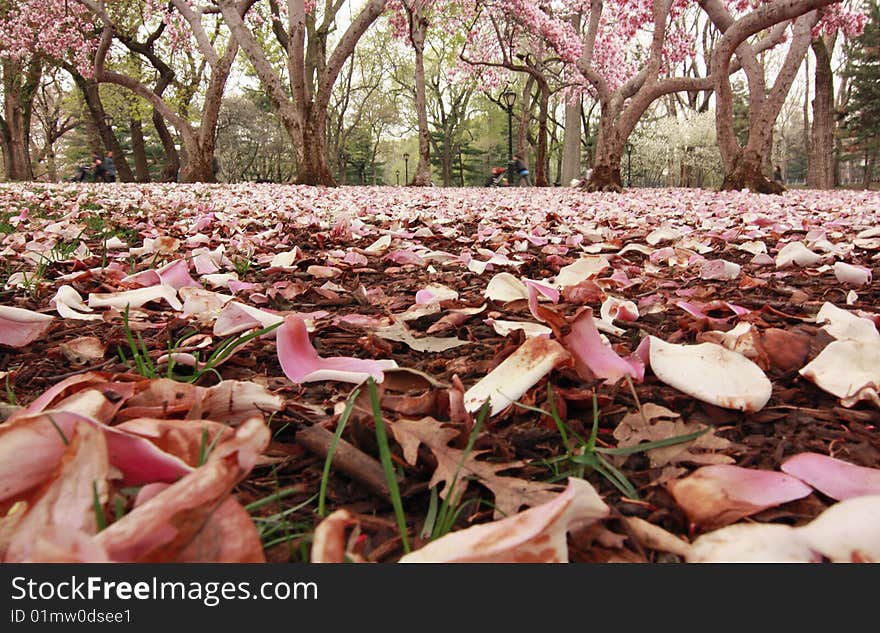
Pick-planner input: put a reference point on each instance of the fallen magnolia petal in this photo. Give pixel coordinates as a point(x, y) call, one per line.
point(69, 499)
point(163, 527)
point(184, 439)
point(516, 374)
point(228, 536)
point(234, 401)
point(665, 233)
point(719, 269)
point(436, 292)
point(614, 309)
point(174, 274)
point(220, 280)
point(582, 269)
point(204, 304)
point(301, 363)
point(593, 356)
point(536, 535)
point(504, 288)
point(536, 288)
point(844, 325)
point(718, 495)
point(835, 478)
point(710, 373)
point(752, 543)
point(237, 317)
point(380, 245)
point(20, 327)
point(70, 305)
point(285, 259)
point(798, 254)
point(856, 276)
point(328, 544)
point(848, 369)
point(531, 330)
point(847, 531)
point(135, 298)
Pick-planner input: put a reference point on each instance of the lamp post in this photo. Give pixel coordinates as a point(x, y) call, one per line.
point(509, 97)
point(397, 176)
point(629, 155)
point(406, 167)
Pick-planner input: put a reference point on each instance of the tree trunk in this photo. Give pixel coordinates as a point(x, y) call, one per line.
point(821, 167)
point(541, 179)
point(90, 92)
point(744, 167)
point(199, 164)
point(19, 89)
point(610, 143)
point(748, 174)
point(571, 142)
point(418, 32)
point(141, 169)
point(313, 169)
point(172, 157)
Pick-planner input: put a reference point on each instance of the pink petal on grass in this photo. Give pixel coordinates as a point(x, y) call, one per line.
point(20, 327)
point(833, 477)
point(301, 363)
point(592, 356)
point(714, 496)
point(516, 374)
point(537, 535)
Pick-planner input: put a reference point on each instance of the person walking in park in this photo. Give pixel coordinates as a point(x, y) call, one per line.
point(522, 169)
point(98, 172)
point(777, 174)
point(109, 168)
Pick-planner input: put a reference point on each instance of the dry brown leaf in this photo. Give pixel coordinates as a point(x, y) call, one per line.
point(664, 424)
point(511, 493)
point(399, 332)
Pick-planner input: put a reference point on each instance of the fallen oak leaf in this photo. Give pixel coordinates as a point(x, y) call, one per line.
point(398, 331)
point(655, 423)
point(455, 465)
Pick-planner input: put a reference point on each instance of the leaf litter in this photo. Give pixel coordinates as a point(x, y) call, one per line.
point(756, 328)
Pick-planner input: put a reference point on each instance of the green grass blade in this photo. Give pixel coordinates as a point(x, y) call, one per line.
point(387, 466)
point(340, 427)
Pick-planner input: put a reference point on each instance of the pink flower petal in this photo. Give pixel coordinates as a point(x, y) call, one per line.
point(301, 363)
point(714, 496)
point(19, 327)
point(833, 477)
point(594, 357)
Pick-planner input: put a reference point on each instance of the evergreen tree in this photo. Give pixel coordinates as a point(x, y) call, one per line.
point(862, 122)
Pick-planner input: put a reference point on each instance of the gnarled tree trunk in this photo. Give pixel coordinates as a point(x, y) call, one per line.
point(138, 150)
point(20, 82)
point(571, 142)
